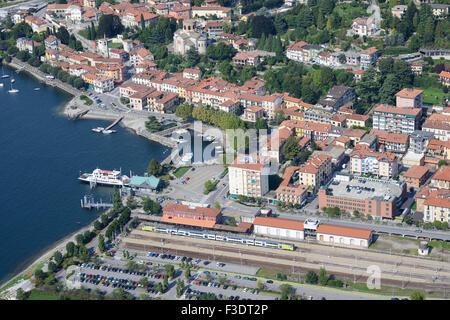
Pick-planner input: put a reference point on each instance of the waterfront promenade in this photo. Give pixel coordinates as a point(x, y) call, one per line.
point(35, 72)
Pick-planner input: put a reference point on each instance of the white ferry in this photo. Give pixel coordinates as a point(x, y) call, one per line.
point(105, 177)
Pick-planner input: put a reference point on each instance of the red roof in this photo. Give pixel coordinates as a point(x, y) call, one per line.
point(344, 231)
point(188, 209)
point(279, 223)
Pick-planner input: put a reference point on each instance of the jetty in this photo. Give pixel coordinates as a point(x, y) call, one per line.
point(89, 203)
point(114, 123)
point(79, 114)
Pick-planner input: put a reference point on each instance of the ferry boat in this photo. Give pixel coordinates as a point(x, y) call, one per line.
point(105, 177)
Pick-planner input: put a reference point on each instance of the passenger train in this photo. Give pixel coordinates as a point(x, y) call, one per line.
point(220, 237)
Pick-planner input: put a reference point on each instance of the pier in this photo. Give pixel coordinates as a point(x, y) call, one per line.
point(79, 114)
point(89, 203)
point(114, 123)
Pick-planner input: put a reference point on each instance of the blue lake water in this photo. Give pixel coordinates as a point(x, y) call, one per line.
point(41, 156)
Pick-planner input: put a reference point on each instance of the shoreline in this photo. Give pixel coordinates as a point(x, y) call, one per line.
point(45, 254)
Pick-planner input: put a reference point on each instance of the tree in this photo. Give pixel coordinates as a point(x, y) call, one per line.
point(389, 89)
point(51, 266)
point(323, 278)
point(144, 281)
point(109, 26)
point(192, 57)
point(311, 277)
point(285, 290)
point(20, 294)
point(187, 273)
point(417, 295)
point(170, 270)
point(261, 25)
point(184, 111)
point(154, 168)
point(57, 256)
point(101, 243)
point(442, 163)
point(291, 148)
point(63, 35)
point(70, 249)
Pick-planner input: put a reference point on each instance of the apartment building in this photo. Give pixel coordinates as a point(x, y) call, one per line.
point(369, 58)
point(248, 176)
point(338, 96)
point(367, 161)
point(396, 120)
point(439, 125)
point(441, 179)
point(253, 113)
point(315, 172)
point(247, 59)
point(416, 176)
point(437, 206)
point(418, 140)
point(364, 26)
point(391, 142)
point(444, 76)
point(409, 98)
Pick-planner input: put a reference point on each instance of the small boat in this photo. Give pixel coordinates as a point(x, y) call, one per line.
point(13, 80)
point(1, 85)
point(37, 89)
point(12, 90)
point(4, 75)
point(108, 131)
point(98, 129)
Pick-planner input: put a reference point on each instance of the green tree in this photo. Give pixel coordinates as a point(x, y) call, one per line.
point(101, 243)
point(417, 295)
point(20, 294)
point(323, 277)
point(311, 277)
point(291, 148)
point(389, 89)
point(57, 256)
point(184, 111)
point(154, 168)
point(109, 25)
point(70, 249)
point(192, 57)
point(63, 35)
point(170, 270)
point(285, 290)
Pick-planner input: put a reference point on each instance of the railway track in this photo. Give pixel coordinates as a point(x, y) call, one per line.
point(347, 266)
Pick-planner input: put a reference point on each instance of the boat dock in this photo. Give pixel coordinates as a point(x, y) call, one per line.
point(79, 114)
point(89, 203)
point(114, 123)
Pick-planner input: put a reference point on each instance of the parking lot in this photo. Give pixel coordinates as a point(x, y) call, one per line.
point(193, 189)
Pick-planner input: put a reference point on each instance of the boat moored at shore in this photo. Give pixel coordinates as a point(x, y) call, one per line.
point(105, 177)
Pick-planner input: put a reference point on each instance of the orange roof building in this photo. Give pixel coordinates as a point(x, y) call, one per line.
point(344, 236)
point(279, 228)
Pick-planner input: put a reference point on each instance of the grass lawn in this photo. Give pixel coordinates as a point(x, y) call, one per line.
point(115, 45)
point(179, 172)
point(39, 295)
point(433, 96)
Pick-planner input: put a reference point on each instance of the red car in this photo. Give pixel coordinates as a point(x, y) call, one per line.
point(187, 179)
point(349, 69)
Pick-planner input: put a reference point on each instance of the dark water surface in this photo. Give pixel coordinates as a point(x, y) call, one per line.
point(41, 156)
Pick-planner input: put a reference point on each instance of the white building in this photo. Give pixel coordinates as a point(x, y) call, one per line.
point(188, 37)
point(344, 236)
point(278, 228)
point(248, 177)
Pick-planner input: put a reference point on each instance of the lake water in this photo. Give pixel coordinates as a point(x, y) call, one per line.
point(41, 155)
